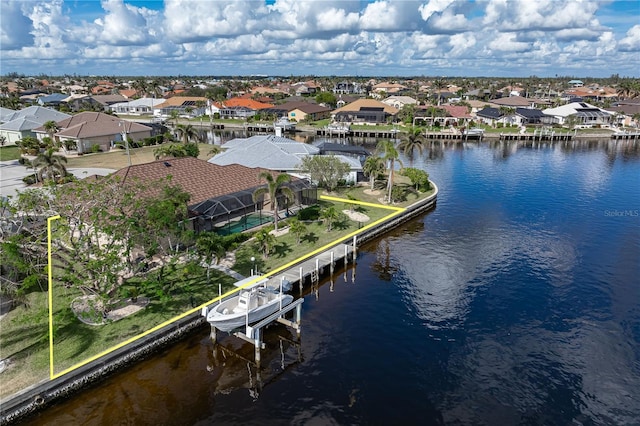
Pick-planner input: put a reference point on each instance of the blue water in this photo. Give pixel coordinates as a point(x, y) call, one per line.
point(515, 301)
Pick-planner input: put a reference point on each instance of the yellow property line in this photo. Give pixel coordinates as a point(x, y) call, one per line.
point(395, 211)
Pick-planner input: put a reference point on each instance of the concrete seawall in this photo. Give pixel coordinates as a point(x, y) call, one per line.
point(39, 396)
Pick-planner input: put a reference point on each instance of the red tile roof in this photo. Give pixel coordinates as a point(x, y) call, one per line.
point(248, 103)
point(201, 179)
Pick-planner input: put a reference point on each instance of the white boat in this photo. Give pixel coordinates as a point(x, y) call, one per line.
point(473, 132)
point(248, 307)
point(284, 124)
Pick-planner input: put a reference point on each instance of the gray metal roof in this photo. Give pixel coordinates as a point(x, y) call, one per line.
point(266, 151)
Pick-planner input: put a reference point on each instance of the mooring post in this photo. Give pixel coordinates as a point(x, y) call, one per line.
point(300, 280)
point(331, 264)
point(354, 247)
point(298, 317)
point(346, 255)
point(317, 267)
point(213, 334)
point(258, 344)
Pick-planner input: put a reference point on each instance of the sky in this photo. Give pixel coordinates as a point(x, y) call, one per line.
point(452, 38)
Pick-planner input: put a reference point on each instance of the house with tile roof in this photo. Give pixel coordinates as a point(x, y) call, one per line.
point(87, 129)
point(17, 125)
point(398, 101)
point(242, 107)
point(369, 111)
point(219, 194)
point(276, 153)
point(187, 106)
point(514, 102)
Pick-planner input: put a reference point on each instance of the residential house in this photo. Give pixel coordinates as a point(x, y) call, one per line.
point(399, 102)
point(142, 106)
point(308, 88)
point(219, 194)
point(52, 100)
point(454, 115)
point(584, 114)
point(369, 111)
point(348, 88)
point(186, 106)
point(492, 116)
point(388, 88)
point(87, 129)
point(17, 125)
point(309, 111)
point(627, 112)
point(106, 100)
point(276, 153)
point(514, 102)
point(242, 108)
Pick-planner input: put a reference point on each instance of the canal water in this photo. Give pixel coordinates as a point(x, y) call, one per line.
point(515, 301)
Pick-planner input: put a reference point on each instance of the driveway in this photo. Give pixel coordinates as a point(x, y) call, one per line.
point(12, 172)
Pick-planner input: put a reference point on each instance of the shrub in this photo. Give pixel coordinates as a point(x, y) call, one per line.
point(95, 148)
point(29, 179)
point(309, 213)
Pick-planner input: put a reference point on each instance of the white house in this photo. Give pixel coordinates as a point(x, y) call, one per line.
point(587, 115)
point(142, 106)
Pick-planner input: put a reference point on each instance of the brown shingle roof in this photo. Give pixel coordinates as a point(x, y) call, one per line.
point(201, 179)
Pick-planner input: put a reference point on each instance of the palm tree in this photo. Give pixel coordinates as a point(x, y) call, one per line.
point(411, 141)
point(329, 215)
point(266, 240)
point(275, 187)
point(297, 228)
point(51, 165)
point(186, 132)
point(390, 156)
point(373, 167)
point(211, 246)
point(51, 127)
point(174, 115)
point(215, 150)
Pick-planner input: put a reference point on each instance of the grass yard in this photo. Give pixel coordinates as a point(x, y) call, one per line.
point(8, 153)
point(117, 159)
point(25, 331)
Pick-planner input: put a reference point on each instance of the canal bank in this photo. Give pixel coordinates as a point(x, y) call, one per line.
point(44, 394)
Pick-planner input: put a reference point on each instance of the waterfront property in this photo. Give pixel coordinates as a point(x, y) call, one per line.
point(219, 194)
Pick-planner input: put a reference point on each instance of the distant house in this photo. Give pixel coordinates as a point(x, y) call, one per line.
point(493, 116)
point(308, 111)
point(275, 153)
point(348, 88)
point(242, 108)
point(367, 111)
point(87, 129)
point(586, 115)
point(455, 115)
point(142, 106)
point(388, 88)
point(575, 83)
point(54, 99)
point(186, 106)
point(399, 102)
point(20, 124)
point(514, 102)
point(218, 194)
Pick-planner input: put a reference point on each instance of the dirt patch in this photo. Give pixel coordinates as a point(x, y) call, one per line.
point(88, 309)
point(356, 216)
point(371, 192)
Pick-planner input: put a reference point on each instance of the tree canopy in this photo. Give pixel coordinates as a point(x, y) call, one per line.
point(326, 170)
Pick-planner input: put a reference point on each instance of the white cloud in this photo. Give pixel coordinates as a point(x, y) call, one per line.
point(14, 26)
point(124, 24)
point(383, 36)
point(506, 42)
point(631, 42)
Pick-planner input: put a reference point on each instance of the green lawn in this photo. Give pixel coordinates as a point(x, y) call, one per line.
point(24, 331)
point(8, 153)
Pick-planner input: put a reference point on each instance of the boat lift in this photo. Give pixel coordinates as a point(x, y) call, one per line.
point(253, 333)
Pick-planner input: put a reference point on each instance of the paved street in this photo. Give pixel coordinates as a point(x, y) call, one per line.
point(11, 174)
